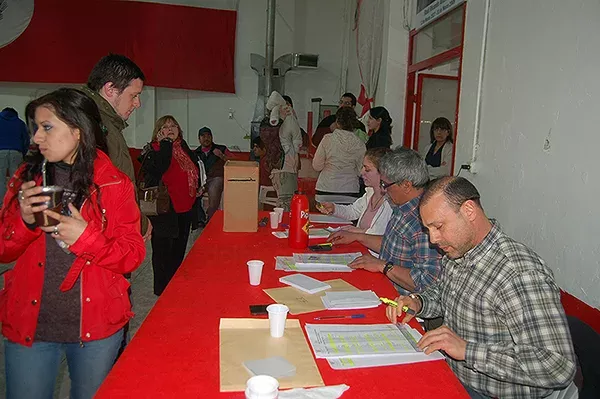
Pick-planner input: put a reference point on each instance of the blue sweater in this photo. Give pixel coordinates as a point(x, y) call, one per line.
point(13, 132)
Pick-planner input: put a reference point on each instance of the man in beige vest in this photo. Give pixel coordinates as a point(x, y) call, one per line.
point(115, 85)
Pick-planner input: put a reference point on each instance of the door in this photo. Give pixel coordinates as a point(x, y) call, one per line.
point(437, 96)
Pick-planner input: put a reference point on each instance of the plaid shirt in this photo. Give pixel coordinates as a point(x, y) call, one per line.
point(406, 243)
point(502, 299)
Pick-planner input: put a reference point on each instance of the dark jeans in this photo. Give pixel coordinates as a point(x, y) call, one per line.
point(168, 253)
point(214, 186)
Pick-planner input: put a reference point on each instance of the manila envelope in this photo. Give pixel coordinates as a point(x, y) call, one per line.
point(250, 339)
point(303, 302)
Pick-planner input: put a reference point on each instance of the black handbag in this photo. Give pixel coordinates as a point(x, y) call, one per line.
point(153, 200)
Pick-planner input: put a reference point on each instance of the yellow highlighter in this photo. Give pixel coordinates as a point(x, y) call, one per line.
point(405, 308)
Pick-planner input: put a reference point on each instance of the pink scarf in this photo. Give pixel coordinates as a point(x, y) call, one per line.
point(186, 164)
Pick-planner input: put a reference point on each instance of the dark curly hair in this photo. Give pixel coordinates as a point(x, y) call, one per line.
point(346, 118)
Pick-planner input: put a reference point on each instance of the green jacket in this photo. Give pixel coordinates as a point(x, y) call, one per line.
point(118, 151)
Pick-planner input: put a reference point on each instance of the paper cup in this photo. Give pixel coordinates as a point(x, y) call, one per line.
point(277, 315)
point(274, 216)
point(255, 271)
point(262, 387)
point(280, 213)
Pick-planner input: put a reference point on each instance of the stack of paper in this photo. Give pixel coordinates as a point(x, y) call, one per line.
point(312, 233)
point(287, 264)
point(325, 260)
point(368, 345)
point(305, 283)
point(276, 367)
point(342, 300)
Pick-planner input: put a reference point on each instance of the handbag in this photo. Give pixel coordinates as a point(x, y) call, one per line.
point(153, 200)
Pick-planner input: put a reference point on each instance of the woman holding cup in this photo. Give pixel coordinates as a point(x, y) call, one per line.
point(66, 293)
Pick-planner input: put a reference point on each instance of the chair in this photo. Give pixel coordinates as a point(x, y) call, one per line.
point(586, 342)
point(263, 199)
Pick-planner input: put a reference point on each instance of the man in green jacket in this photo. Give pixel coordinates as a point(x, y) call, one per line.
point(115, 84)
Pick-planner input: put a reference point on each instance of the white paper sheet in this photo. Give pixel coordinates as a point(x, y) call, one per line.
point(324, 260)
point(286, 264)
point(345, 300)
point(320, 218)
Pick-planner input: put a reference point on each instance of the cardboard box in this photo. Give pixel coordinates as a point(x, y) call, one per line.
point(240, 196)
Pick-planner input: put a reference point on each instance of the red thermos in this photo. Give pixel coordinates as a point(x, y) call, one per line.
point(298, 237)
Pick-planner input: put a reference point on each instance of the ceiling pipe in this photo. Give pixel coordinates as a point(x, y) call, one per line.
point(270, 48)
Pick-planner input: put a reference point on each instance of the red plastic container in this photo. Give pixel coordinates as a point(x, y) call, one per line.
point(298, 237)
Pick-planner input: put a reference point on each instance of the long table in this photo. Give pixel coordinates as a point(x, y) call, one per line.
point(175, 353)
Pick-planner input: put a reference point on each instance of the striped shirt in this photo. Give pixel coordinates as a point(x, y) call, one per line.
point(502, 299)
point(406, 243)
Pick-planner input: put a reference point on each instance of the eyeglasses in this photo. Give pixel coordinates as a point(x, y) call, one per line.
point(385, 186)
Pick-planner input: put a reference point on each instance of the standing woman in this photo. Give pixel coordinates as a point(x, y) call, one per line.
point(438, 155)
point(380, 128)
point(169, 159)
point(66, 292)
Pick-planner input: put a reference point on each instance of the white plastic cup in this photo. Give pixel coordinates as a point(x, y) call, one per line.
point(255, 271)
point(274, 219)
point(277, 315)
point(280, 213)
point(262, 387)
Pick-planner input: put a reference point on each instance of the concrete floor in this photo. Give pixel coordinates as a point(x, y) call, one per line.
point(143, 300)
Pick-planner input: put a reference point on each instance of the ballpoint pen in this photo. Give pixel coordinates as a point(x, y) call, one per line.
point(405, 308)
point(352, 316)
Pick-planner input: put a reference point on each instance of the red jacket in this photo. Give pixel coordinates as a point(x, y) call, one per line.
point(110, 246)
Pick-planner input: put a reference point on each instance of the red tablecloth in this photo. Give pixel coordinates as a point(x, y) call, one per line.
point(175, 353)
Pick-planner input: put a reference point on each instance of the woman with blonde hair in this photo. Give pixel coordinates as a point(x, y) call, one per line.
point(168, 159)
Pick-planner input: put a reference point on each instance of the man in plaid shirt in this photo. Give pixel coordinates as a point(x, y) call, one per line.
point(406, 256)
point(505, 331)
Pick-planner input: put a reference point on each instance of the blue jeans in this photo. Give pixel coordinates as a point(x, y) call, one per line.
point(31, 372)
point(9, 162)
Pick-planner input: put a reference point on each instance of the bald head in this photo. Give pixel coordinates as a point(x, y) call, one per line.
point(456, 191)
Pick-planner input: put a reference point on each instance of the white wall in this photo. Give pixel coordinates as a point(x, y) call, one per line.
point(311, 26)
point(538, 130)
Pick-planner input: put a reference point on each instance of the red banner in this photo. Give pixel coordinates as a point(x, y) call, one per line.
point(176, 46)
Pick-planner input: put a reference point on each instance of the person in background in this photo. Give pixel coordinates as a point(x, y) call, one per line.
point(213, 156)
point(438, 155)
point(328, 124)
point(115, 84)
point(260, 151)
point(339, 157)
point(505, 333)
point(406, 256)
point(372, 210)
point(380, 128)
point(67, 294)
point(305, 140)
point(168, 158)
point(14, 143)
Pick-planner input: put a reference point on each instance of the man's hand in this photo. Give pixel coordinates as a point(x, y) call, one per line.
point(69, 228)
point(445, 339)
point(369, 263)
point(342, 237)
point(148, 234)
point(218, 153)
point(393, 312)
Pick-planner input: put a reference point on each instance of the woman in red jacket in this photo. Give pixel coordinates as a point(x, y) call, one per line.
point(66, 293)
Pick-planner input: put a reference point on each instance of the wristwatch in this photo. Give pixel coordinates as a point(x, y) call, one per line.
point(416, 298)
point(388, 266)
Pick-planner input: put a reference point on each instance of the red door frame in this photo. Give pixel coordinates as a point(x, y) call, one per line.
point(419, 101)
point(411, 96)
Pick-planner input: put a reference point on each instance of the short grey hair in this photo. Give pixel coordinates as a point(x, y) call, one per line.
point(404, 164)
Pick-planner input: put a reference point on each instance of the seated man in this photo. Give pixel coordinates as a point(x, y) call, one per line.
point(405, 255)
point(328, 125)
point(213, 156)
point(505, 332)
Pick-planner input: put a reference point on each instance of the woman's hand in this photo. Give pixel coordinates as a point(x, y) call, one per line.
point(326, 207)
point(28, 197)
point(69, 228)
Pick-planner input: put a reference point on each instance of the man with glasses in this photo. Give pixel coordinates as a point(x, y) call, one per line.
point(505, 332)
point(406, 256)
point(328, 125)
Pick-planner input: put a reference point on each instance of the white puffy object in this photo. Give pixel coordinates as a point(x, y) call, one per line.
point(290, 135)
point(16, 15)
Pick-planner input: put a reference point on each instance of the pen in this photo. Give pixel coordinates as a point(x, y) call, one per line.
point(353, 316)
point(405, 308)
point(326, 244)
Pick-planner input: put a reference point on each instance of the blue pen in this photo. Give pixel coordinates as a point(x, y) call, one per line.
point(352, 316)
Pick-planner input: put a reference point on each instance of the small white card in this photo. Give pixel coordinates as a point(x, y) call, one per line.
point(305, 283)
point(276, 367)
